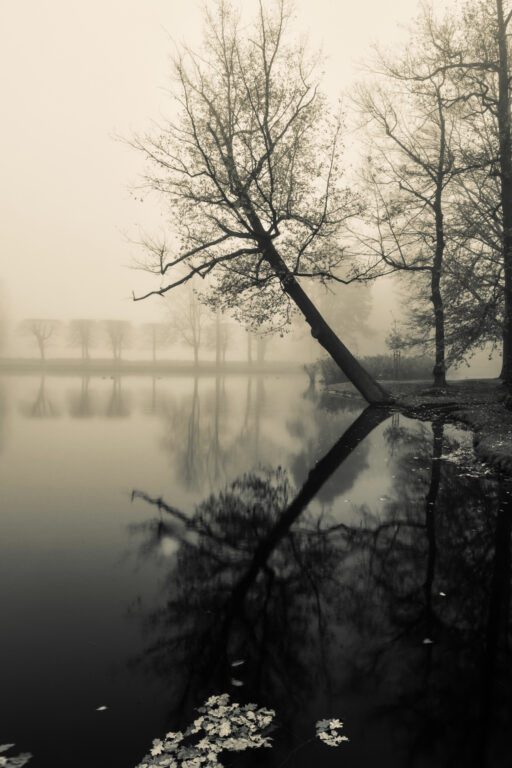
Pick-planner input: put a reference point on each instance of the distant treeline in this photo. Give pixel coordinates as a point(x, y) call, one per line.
point(383, 367)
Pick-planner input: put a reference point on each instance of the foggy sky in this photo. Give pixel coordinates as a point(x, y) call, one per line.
point(74, 75)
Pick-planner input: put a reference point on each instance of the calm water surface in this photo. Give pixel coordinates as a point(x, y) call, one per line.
point(365, 578)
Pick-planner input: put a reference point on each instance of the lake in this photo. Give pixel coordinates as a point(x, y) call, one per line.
point(166, 539)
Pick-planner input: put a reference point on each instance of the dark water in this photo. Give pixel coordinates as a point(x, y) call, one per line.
point(322, 558)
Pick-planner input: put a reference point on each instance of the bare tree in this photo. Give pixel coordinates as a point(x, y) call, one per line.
point(157, 335)
point(81, 334)
point(188, 319)
point(218, 334)
point(476, 60)
point(251, 171)
point(118, 335)
point(416, 157)
point(42, 330)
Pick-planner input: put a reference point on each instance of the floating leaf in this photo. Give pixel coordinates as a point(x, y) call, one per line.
point(101, 709)
point(236, 683)
point(237, 663)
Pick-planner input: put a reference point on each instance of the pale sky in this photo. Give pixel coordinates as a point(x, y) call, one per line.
point(74, 74)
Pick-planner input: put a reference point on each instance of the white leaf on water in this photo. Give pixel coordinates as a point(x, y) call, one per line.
point(237, 663)
point(101, 709)
point(236, 683)
point(442, 594)
point(428, 641)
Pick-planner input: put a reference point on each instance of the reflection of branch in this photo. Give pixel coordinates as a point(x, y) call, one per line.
point(190, 524)
point(42, 407)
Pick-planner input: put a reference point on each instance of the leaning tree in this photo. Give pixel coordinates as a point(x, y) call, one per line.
point(251, 173)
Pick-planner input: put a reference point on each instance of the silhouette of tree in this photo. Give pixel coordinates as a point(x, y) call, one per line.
point(251, 171)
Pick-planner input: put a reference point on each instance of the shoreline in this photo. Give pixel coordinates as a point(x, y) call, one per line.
point(476, 404)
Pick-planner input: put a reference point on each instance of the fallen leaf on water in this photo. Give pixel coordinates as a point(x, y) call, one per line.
point(236, 683)
point(100, 709)
point(237, 663)
point(442, 594)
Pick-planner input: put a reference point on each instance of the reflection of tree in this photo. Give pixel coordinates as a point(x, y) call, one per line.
point(246, 579)
point(196, 437)
point(431, 563)
point(315, 440)
point(321, 610)
point(81, 405)
point(42, 407)
point(183, 439)
point(117, 405)
point(248, 441)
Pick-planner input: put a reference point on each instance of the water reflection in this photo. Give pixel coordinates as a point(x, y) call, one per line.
point(81, 403)
point(118, 407)
point(398, 622)
point(42, 406)
point(205, 438)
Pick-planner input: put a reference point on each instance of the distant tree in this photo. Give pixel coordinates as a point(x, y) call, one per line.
point(188, 318)
point(218, 335)
point(261, 346)
point(81, 334)
point(395, 342)
point(42, 330)
point(156, 335)
point(249, 346)
point(251, 172)
point(118, 335)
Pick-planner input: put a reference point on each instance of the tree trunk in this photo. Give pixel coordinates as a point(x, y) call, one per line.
point(505, 139)
point(260, 349)
point(217, 339)
point(437, 266)
point(437, 300)
point(323, 333)
point(40, 344)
